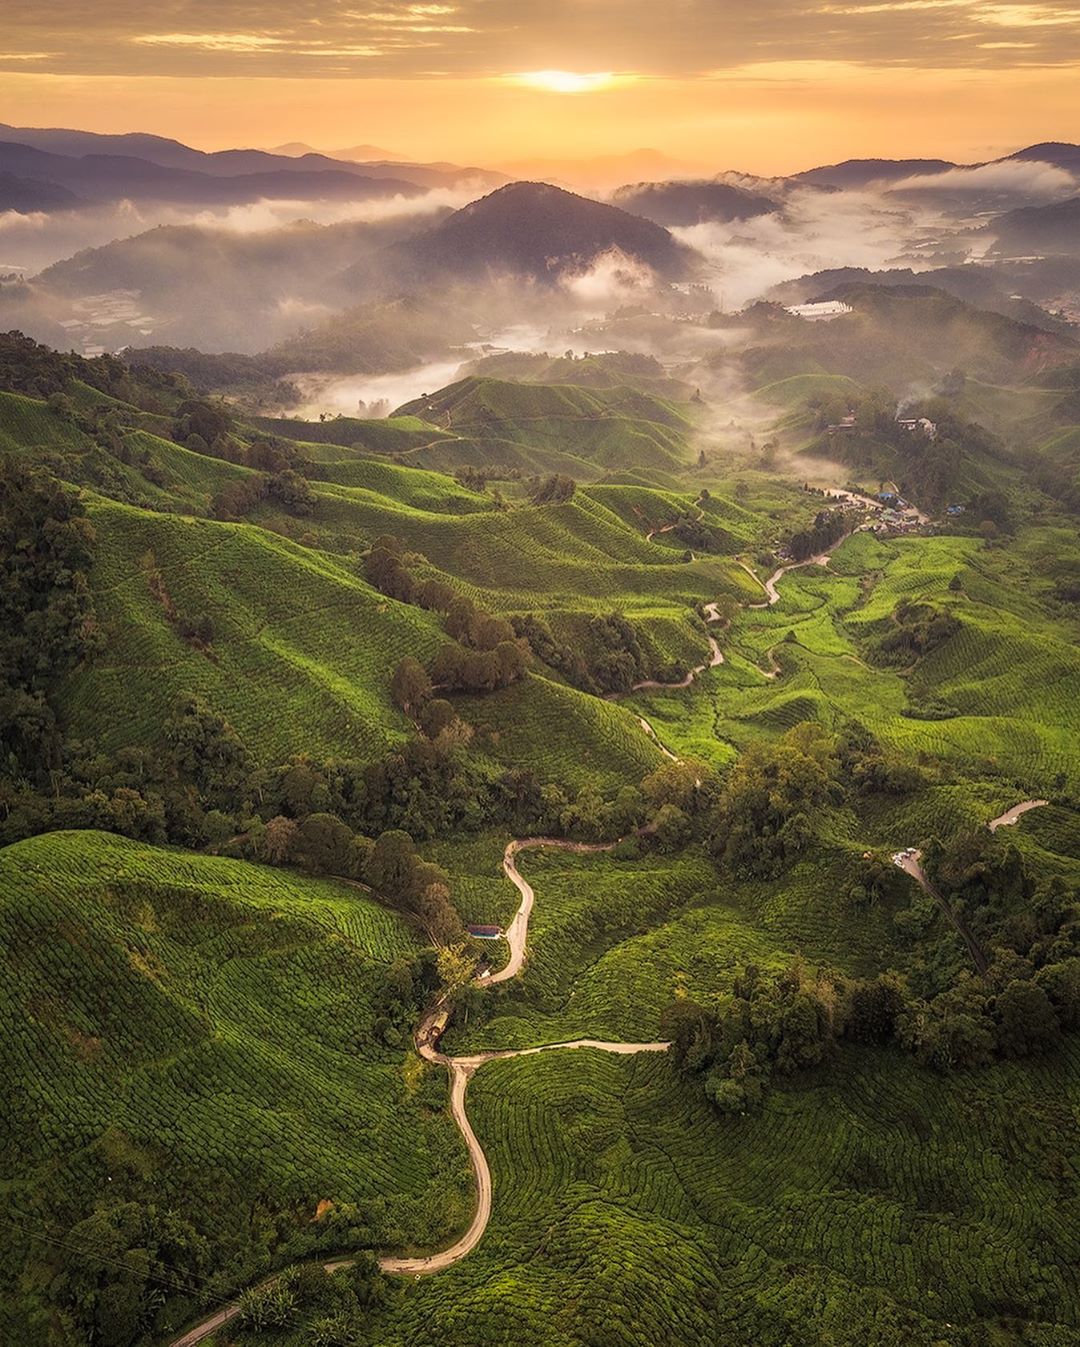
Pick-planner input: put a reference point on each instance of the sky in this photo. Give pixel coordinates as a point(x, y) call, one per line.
point(765, 86)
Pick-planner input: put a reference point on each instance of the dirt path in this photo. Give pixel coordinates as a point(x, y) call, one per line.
point(674, 757)
point(716, 656)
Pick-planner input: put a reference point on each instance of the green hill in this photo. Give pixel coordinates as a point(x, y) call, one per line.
point(194, 1041)
point(616, 427)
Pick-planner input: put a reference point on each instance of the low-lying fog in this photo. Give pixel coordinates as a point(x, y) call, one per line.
point(238, 290)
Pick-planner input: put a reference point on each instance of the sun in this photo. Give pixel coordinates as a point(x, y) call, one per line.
point(565, 81)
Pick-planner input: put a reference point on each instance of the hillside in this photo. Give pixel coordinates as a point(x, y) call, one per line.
point(688, 203)
point(536, 232)
point(859, 173)
point(26, 195)
point(292, 708)
point(1039, 229)
point(195, 1035)
point(984, 287)
point(617, 427)
point(901, 336)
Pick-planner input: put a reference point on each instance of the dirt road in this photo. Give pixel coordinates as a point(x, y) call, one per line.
point(910, 862)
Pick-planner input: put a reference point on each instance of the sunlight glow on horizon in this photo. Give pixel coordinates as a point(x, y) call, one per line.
point(568, 81)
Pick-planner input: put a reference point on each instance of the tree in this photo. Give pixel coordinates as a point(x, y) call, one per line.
point(279, 838)
point(435, 716)
point(435, 595)
point(1025, 1018)
point(391, 863)
point(438, 916)
point(671, 826)
point(292, 492)
point(553, 490)
point(761, 822)
point(324, 845)
point(873, 1009)
point(410, 685)
point(689, 1028)
point(456, 967)
point(1061, 982)
point(206, 749)
point(461, 620)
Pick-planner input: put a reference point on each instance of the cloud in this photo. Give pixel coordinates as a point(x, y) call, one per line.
point(211, 41)
point(1027, 178)
point(815, 231)
point(481, 39)
point(1026, 16)
point(613, 279)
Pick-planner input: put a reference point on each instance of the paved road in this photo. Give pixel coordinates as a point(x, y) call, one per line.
point(822, 559)
point(461, 1070)
point(1011, 815)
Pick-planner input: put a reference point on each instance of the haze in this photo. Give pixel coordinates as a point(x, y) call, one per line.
point(777, 86)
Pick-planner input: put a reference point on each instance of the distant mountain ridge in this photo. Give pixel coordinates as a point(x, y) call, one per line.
point(173, 154)
point(112, 177)
point(694, 201)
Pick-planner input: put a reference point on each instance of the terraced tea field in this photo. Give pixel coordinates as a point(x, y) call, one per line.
point(197, 1033)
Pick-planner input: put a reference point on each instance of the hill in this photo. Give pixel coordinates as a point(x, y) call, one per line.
point(1060, 154)
point(536, 232)
point(271, 641)
point(197, 1035)
point(902, 336)
point(218, 288)
point(983, 286)
point(27, 195)
point(615, 427)
point(857, 173)
point(1039, 229)
point(689, 203)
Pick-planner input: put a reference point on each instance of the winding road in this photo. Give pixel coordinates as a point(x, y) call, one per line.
point(461, 1070)
point(822, 559)
point(910, 861)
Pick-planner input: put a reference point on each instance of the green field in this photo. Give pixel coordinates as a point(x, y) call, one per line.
point(211, 1059)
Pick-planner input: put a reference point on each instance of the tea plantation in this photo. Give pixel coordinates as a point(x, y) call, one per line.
point(277, 695)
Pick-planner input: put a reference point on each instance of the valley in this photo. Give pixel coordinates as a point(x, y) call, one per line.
point(536, 807)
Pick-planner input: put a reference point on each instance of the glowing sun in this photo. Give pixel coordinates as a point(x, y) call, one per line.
point(565, 81)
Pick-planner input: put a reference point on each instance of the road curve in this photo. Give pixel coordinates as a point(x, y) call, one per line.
point(910, 861)
point(461, 1071)
point(1011, 815)
point(822, 559)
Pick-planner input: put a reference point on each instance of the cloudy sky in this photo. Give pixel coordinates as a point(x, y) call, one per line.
point(757, 84)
